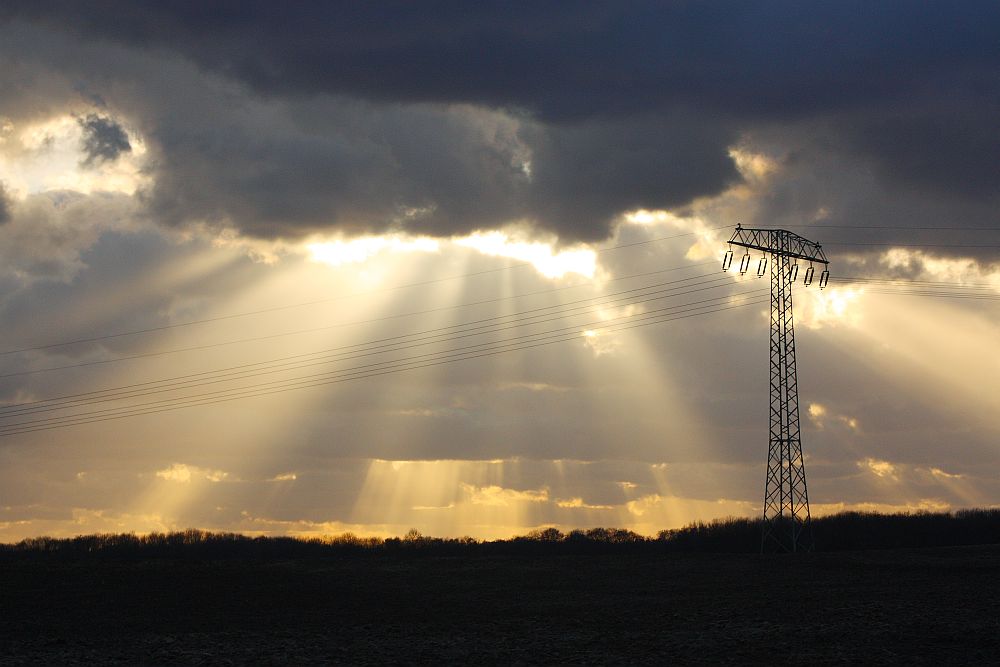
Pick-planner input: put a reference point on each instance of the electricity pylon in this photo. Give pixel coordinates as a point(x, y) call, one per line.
point(786, 499)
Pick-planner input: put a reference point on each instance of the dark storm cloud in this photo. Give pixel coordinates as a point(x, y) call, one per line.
point(429, 170)
point(335, 164)
point(852, 203)
point(618, 105)
point(954, 153)
point(586, 173)
point(103, 139)
point(569, 59)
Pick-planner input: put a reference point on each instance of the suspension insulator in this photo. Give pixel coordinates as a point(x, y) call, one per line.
point(727, 260)
point(808, 279)
point(824, 279)
point(762, 267)
point(793, 273)
point(745, 264)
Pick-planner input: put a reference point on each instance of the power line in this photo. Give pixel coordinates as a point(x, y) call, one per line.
point(912, 245)
point(357, 350)
point(355, 372)
point(235, 371)
point(938, 295)
point(897, 227)
point(402, 365)
point(165, 327)
point(458, 331)
point(909, 281)
point(196, 348)
point(925, 288)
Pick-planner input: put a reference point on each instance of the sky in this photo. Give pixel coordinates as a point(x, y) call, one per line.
point(456, 267)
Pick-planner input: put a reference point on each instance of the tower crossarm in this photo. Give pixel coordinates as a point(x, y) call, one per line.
point(778, 241)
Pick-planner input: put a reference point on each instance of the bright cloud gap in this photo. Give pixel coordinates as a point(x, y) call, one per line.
point(542, 256)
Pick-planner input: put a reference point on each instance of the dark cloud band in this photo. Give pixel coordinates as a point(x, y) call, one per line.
point(361, 117)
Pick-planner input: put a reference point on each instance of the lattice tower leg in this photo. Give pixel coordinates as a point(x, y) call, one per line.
point(786, 500)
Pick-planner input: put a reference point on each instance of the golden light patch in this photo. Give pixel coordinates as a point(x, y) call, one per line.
point(183, 473)
point(703, 249)
point(356, 251)
point(879, 468)
point(817, 415)
point(707, 240)
point(754, 167)
point(84, 521)
point(582, 261)
point(941, 474)
point(921, 505)
point(257, 525)
point(601, 343)
point(832, 306)
point(651, 513)
point(498, 496)
point(642, 505)
point(578, 503)
point(821, 416)
point(646, 217)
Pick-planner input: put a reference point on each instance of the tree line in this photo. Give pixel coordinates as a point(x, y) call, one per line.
point(837, 532)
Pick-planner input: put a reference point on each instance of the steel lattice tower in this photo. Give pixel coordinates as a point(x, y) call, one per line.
point(786, 498)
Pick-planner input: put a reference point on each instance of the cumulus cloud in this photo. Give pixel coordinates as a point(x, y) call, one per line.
point(281, 170)
point(46, 237)
point(184, 474)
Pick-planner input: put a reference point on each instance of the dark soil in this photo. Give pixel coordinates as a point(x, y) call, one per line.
point(897, 606)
